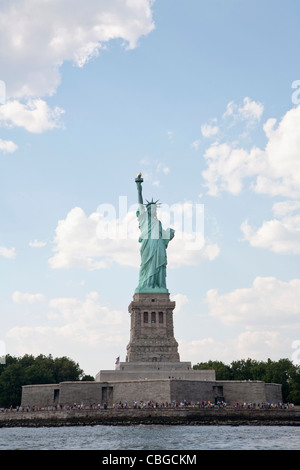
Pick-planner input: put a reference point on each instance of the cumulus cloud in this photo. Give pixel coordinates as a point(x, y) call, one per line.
point(250, 111)
point(261, 344)
point(209, 131)
point(201, 350)
point(281, 175)
point(36, 38)
point(247, 114)
point(94, 241)
point(85, 315)
point(269, 302)
point(195, 145)
point(258, 344)
point(100, 240)
point(24, 297)
point(7, 146)
point(84, 329)
point(228, 166)
point(154, 171)
point(280, 235)
point(284, 208)
point(274, 170)
point(181, 300)
point(260, 321)
point(7, 252)
point(37, 244)
point(35, 116)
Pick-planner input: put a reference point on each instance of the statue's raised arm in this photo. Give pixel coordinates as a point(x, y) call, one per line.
point(139, 181)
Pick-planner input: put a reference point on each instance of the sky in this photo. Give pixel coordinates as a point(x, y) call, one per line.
point(200, 96)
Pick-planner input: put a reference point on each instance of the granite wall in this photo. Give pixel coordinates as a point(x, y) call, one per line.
point(161, 391)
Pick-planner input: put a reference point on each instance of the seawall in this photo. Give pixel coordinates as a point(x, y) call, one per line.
point(128, 417)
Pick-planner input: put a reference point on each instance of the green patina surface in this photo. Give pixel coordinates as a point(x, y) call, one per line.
point(154, 242)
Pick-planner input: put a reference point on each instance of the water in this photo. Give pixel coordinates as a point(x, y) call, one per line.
point(151, 437)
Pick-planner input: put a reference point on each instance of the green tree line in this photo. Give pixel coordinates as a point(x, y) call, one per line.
point(30, 370)
point(282, 372)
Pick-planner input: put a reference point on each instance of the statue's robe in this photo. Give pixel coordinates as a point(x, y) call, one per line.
point(154, 242)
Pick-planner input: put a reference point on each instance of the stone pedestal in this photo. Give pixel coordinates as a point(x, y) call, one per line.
point(152, 330)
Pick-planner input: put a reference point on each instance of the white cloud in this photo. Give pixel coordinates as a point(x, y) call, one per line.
point(209, 131)
point(154, 171)
point(89, 332)
point(228, 167)
point(37, 244)
point(181, 300)
point(281, 175)
point(269, 302)
point(23, 297)
point(201, 350)
point(261, 344)
point(256, 344)
point(36, 38)
point(85, 314)
point(281, 235)
point(274, 170)
point(7, 146)
point(170, 135)
point(183, 254)
point(195, 145)
point(266, 314)
point(250, 111)
point(161, 168)
point(35, 116)
point(94, 242)
point(284, 208)
point(7, 252)
point(98, 241)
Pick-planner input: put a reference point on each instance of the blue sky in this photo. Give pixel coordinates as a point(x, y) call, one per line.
point(201, 97)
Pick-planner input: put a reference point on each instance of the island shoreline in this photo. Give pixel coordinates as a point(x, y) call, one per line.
point(153, 416)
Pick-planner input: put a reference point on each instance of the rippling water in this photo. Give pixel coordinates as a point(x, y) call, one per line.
point(151, 437)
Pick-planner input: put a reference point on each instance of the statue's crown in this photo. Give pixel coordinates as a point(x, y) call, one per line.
point(152, 202)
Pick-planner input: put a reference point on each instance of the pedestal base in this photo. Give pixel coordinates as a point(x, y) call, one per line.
point(128, 371)
point(152, 332)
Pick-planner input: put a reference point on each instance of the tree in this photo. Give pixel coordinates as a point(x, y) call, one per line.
point(87, 378)
point(66, 369)
point(11, 381)
point(294, 387)
point(29, 370)
point(244, 369)
point(222, 370)
point(282, 372)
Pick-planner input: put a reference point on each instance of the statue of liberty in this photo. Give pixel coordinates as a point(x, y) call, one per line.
point(154, 242)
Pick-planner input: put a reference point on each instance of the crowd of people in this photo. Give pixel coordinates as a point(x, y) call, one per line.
point(204, 404)
point(151, 405)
